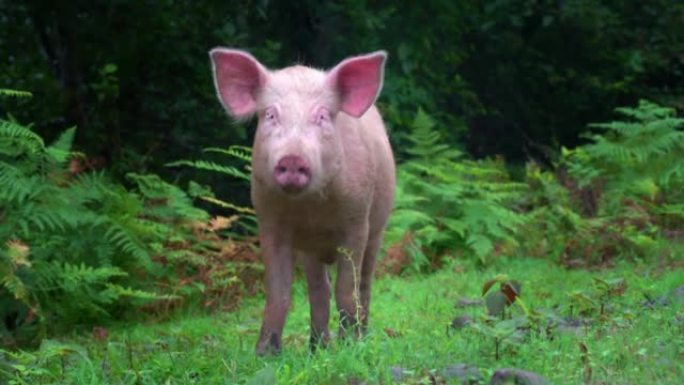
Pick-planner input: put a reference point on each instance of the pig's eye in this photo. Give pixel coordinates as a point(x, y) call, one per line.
point(322, 116)
point(270, 115)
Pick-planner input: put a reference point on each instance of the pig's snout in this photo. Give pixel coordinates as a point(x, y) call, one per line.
point(292, 173)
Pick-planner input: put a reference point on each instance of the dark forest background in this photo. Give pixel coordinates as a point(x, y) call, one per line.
point(512, 78)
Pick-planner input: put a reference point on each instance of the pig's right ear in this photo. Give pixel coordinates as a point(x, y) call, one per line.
point(238, 77)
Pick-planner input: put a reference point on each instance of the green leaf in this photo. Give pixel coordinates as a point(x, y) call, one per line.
point(60, 149)
point(496, 303)
point(265, 376)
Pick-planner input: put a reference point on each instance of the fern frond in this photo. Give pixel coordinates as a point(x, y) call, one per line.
point(60, 150)
point(228, 205)
point(16, 187)
point(16, 139)
point(15, 93)
point(128, 243)
point(240, 152)
point(211, 166)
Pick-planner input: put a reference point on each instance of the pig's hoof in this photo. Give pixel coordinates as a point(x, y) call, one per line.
point(268, 345)
point(350, 325)
point(318, 340)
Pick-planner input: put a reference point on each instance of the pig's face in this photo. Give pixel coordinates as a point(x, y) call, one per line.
point(297, 147)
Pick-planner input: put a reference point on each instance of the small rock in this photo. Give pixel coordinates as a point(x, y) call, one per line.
point(516, 376)
point(656, 302)
point(467, 374)
point(398, 373)
point(677, 295)
point(355, 381)
point(461, 321)
point(468, 302)
point(572, 325)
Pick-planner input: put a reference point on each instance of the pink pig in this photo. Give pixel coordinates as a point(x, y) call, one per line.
point(322, 181)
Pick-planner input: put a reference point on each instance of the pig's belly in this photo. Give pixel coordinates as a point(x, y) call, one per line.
point(320, 243)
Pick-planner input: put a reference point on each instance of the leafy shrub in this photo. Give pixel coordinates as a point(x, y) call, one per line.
point(449, 204)
point(76, 247)
point(66, 241)
point(639, 158)
point(619, 195)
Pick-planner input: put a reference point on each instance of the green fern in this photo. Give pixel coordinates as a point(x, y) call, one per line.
point(638, 158)
point(15, 93)
point(60, 150)
point(18, 140)
point(621, 193)
point(450, 204)
point(176, 203)
point(241, 153)
point(75, 247)
point(243, 156)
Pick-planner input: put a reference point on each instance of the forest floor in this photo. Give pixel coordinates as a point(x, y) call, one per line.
point(618, 325)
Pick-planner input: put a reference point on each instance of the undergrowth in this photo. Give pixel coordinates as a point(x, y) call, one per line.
point(619, 196)
point(413, 337)
point(447, 204)
point(78, 248)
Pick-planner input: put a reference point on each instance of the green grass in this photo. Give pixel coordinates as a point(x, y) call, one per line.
point(631, 344)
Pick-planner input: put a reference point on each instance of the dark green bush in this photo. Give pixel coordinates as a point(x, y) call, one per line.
point(448, 204)
point(618, 196)
point(76, 247)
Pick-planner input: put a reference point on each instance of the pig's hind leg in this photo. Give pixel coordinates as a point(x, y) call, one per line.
point(347, 293)
point(367, 270)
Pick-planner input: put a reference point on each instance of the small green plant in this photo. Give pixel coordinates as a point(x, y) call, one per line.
point(580, 303)
point(607, 289)
point(498, 300)
point(501, 332)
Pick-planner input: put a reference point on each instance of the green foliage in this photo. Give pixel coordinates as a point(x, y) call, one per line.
point(236, 164)
point(521, 69)
point(14, 93)
point(619, 195)
point(53, 259)
point(240, 153)
point(638, 158)
point(76, 247)
point(449, 204)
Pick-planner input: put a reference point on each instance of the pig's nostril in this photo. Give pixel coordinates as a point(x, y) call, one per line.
point(292, 173)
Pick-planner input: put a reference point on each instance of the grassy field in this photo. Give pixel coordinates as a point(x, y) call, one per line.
point(410, 340)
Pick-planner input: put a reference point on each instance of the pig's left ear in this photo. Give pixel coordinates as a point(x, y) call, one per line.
point(358, 80)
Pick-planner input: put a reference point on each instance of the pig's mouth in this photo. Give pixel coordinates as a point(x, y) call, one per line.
point(293, 188)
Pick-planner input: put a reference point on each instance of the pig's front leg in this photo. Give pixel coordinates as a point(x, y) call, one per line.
point(279, 261)
point(347, 295)
point(319, 299)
